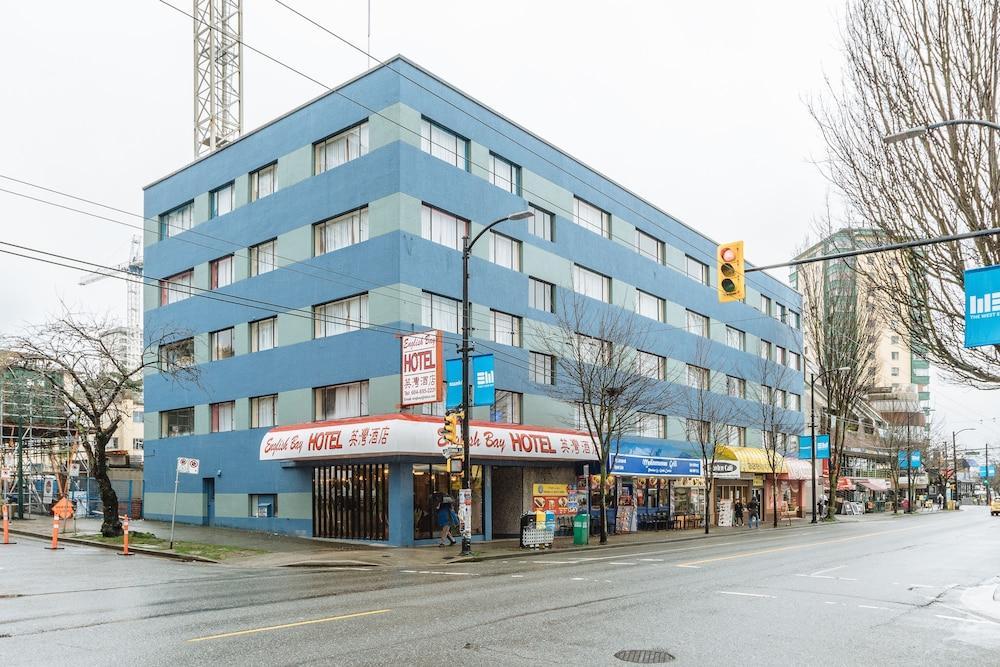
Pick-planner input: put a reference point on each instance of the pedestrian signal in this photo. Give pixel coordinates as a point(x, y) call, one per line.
point(732, 279)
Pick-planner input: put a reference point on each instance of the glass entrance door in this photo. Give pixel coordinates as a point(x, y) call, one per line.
point(431, 483)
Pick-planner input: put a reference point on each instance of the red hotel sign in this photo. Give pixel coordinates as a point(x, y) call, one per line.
point(395, 435)
point(421, 368)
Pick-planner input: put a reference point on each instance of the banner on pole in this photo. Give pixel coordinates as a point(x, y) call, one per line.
point(822, 447)
point(982, 306)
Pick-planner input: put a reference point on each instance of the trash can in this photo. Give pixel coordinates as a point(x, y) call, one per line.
point(527, 523)
point(581, 529)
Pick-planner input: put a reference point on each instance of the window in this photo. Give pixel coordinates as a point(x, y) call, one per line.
point(736, 339)
point(506, 408)
point(506, 329)
point(736, 387)
point(780, 355)
point(176, 221)
point(176, 288)
point(650, 365)
point(137, 443)
point(794, 402)
point(443, 228)
point(264, 182)
point(264, 411)
point(782, 312)
point(895, 356)
point(736, 435)
point(766, 395)
point(341, 401)
point(764, 349)
point(592, 284)
point(649, 246)
point(137, 416)
point(337, 317)
point(505, 175)
point(780, 396)
point(444, 144)
point(542, 224)
point(263, 505)
point(222, 344)
point(696, 430)
point(795, 319)
point(543, 368)
point(794, 360)
point(697, 324)
point(174, 423)
point(593, 350)
point(221, 272)
point(540, 295)
point(262, 257)
point(222, 416)
point(222, 200)
point(697, 271)
point(263, 334)
point(649, 425)
point(440, 312)
point(698, 377)
point(765, 304)
point(341, 148)
point(177, 355)
point(505, 251)
point(894, 340)
point(340, 232)
point(649, 306)
point(433, 409)
point(894, 371)
point(590, 217)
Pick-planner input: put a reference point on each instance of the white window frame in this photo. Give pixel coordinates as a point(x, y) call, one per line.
point(542, 224)
point(739, 336)
point(505, 174)
point(443, 228)
point(699, 377)
point(546, 290)
point(220, 272)
point(650, 305)
point(176, 287)
point(340, 232)
point(349, 400)
point(221, 417)
point(442, 143)
point(216, 351)
point(436, 312)
point(643, 243)
point(584, 213)
point(591, 284)
point(264, 411)
point(698, 324)
point(505, 328)
point(225, 195)
point(505, 251)
point(262, 257)
point(177, 220)
point(264, 181)
point(542, 368)
point(696, 270)
point(262, 331)
point(341, 148)
point(341, 316)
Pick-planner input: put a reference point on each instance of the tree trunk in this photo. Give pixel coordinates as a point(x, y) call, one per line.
point(774, 497)
point(708, 505)
point(111, 526)
point(604, 500)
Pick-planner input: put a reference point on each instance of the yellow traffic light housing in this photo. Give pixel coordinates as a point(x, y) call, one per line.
point(452, 425)
point(731, 272)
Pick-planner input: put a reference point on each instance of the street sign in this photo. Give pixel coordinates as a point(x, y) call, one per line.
point(982, 306)
point(188, 466)
point(822, 447)
point(63, 509)
point(914, 460)
point(74, 470)
point(481, 376)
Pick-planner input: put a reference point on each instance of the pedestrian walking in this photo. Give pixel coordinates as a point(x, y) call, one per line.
point(940, 501)
point(738, 512)
point(446, 518)
point(821, 507)
point(753, 507)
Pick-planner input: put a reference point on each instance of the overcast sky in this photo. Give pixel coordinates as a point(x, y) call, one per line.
point(699, 107)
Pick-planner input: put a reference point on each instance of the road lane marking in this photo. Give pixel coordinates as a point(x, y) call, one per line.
point(828, 602)
point(956, 618)
point(829, 569)
point(651, 560)
point(620, 563)
point(517, 576)
point(578, 579)
point(328, 619)
point(554, 562)
point(791, 547)
point(749, 595)
point(868, 606)
point(693, 567)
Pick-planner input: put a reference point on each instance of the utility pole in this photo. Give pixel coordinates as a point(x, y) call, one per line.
point(909, 469)
point(20, 466)
point(987, 474)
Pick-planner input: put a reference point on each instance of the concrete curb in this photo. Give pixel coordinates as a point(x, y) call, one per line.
point(115, 547)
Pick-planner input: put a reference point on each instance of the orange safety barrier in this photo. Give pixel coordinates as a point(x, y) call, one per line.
point(125, 551)
point(6, 524)
point(55, 534)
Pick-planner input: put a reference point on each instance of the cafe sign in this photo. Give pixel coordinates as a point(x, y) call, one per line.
point(726, 469)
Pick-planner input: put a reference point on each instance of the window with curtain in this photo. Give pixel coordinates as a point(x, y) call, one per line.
point(223, 200)
point(443, 228)
point(341, 401)
point(222, 416)
point(264, 182)
point(590, 217)
point(263, 334)
point(593, 350)
point(592, 284)
point(541, 224)
point(340, 148)
point(337, 317)
point(697, 377)
point(696, 430)
point(505, 174)
point(440, 312)
point(541, 295)
point(697, 324)
point(177, 422)
point(649, 305)
point(176, 288)
point(179, 354)
point(262, 257)
point(649, 246)
point(264, 411)
point(736, 387)
point(651, 365)
point(176, 221)
point(764, 349)
point(506, 328)
point(444, 144)
point(340, 232)
point(221, 272)
point(736, 339)
point(222, 344)
point(697, 271)
point(649, 425)
point(543, 368)
point(505, 251)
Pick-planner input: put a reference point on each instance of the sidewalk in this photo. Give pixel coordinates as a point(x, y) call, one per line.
point(268, 550)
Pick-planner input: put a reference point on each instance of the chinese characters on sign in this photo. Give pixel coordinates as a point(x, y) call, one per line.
point(421, 372)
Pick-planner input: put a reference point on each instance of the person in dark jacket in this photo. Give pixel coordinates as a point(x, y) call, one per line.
point(738, 512)
point(446, 518)
point(753, 507)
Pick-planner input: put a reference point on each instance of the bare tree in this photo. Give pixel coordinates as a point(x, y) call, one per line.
point(84, 361)
point(914, 62)
point(601, 373)
point(768, 412)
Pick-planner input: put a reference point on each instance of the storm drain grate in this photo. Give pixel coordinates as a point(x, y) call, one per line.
point(644, 656)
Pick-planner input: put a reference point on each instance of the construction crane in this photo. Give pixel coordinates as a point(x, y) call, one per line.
point(133, 301)
point(218, 73)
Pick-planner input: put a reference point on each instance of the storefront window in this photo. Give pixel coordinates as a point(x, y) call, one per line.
point(351, 501)
point(431, 483)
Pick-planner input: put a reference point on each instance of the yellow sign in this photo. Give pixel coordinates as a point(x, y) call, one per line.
point(758, 480)
point(549, 489)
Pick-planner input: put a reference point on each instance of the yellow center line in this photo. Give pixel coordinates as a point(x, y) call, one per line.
point(290, 625)
point(791, 547)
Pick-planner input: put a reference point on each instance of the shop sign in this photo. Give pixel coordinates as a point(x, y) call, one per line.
point(552, 498)
point(758, 480)
point(652, 466)
point(726, 470)
point(421, 368)
point(418, 436)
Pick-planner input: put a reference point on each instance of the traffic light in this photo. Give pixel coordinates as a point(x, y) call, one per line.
point(732, 279)
point(452, 424)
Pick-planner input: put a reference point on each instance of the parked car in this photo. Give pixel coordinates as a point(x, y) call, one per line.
point(995, 507)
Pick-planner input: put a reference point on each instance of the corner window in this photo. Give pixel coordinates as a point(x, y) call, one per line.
point(443, 228)
point(263, 334)
point(175, 423)
point(541, 224)
point(340, 232)
point(264, 182)
point(262, 257)
point(340, 148)
point(179, 354)
point(590, 217)
point(176, 221)
point(221, 272)
point(222, 344)
point(649, 306)
point(341, 401)
point(541, 295)
point(649, 246)
point(264, 411)
point(444, 144)
point(506, 329)
point(592, 284)
point(505, 174)
point(222, 416)
point(176, 288)
point(440, 312)
point(337, 317)
point(697, 271)
point(506, 408)
point(505, 251)
point(222, 200)
point(543, 368)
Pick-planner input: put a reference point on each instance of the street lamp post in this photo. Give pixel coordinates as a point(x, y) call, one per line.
point(954, 461)
point(465, 349)
point(812, 427)
point(923, 130)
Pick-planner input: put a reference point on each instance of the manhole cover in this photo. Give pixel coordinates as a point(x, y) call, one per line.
point(644, 656)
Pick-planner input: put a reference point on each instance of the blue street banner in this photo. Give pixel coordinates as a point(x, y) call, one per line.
point(991, 473)
point(822, 447)
point(646, 466)
point(914, 460)
point(482, 371)
point(982, 306)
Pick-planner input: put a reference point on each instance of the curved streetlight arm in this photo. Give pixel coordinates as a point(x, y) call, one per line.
point(520, 215)
point(922, 130)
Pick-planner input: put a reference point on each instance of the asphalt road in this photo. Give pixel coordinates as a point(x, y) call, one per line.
point(911, 590)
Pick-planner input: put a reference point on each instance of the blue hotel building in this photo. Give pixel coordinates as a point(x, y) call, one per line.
point(290, 261)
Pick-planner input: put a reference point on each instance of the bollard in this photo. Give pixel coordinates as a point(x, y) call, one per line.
point(125, 551)
point(6, 524)
point(55, 534)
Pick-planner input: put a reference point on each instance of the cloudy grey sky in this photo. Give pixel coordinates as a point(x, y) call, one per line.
point(699, 107)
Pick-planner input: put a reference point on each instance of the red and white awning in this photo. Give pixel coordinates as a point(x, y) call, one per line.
point(798, 469)
point(874, 484)
point(417, 435)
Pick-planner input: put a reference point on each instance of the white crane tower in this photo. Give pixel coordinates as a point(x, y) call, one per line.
point(218, 73)
point(133, 302)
